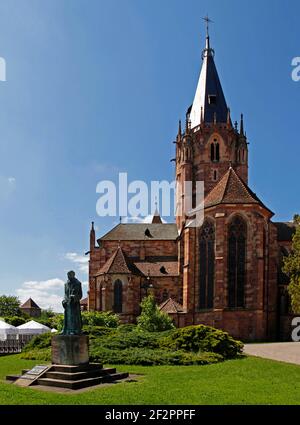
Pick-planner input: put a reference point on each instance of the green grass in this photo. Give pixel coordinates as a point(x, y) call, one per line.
point(244, 381)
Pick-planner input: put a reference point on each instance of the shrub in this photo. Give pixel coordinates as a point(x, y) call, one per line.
point(148, 357)
point(151, 318)
point(100, 318)
point(96, 331)
point(15, 320)
point(203, 338)
point(38, 342)
point(134, 339)
point(42, 354)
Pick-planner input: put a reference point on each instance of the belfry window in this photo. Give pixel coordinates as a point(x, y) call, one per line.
point(215, 151)
point(207, 265)
point(118, 296)
point(237, 237)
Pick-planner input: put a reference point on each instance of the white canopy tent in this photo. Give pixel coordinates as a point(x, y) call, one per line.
point(33, 328)
point(7, 331)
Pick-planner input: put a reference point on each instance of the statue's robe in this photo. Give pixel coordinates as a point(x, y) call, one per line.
point(71, 303)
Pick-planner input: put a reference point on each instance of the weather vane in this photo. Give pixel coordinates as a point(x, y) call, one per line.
point(208, 21)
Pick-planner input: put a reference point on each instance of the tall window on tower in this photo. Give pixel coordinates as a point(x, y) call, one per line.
point(207, 265)
point(237, 237)
point(215, 151)
point(118, 296)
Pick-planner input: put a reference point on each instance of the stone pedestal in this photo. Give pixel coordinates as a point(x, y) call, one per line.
point(70, 350)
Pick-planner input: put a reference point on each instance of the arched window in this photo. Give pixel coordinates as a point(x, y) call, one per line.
point(215, 151)
point(207, 265)
point(117, 307)
point(237, 237)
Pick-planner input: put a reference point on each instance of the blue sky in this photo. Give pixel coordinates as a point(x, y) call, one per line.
point(95, 88)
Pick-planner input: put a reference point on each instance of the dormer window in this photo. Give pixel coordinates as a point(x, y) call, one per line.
point(212, 99)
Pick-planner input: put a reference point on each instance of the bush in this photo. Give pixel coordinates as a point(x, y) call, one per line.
point(203, 338)
point(39, 342)
point(15, 320)
point(129, 344)
point(151, 318)
point(148, 357)
point(134, 339)
point(42, 354)
point(96, 331)
point(100, 318)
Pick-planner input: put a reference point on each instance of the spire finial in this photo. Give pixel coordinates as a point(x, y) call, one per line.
point(208, 21)
point(92, 226)
point(207, 51)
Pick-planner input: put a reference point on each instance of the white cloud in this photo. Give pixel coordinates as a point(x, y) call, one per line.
point(80, 260)
point(46, 293)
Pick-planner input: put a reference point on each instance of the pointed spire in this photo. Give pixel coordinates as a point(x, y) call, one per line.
point(242, 125)
point(179, 134)
point(209, 94)
point(228, 117)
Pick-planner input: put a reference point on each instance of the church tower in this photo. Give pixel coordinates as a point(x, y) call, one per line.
point(210, 143)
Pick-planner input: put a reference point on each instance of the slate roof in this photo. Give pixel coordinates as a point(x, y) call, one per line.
point(30, 304)
point(171, 306)
point(119, 263)
point(208, 85)
point(141, 231)
point(231, 190)
point(158, 268)
point(285, 231)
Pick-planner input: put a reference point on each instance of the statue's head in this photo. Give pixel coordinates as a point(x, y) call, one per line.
point(71, 274)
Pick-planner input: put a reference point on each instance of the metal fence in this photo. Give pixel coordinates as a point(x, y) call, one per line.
point(11, 346)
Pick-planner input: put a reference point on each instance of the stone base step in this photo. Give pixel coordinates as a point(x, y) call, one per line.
point(82, 383)
point(74, 369)
point(77, 376)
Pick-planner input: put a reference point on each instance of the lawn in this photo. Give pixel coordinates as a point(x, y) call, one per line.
point(244, 381)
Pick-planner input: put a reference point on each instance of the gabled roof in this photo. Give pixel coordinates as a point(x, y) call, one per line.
point(118, 263)
point(171, 306)
point(7, 327)
point(84, 301)
point(30, 304)
point(209, 98)
point(141, 231)
point(285, 230)
point(231, 190)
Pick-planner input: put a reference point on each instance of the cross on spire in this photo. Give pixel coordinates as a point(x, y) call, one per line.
point(208, 21)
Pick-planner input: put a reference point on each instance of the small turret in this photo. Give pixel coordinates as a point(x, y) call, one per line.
point(92, 237)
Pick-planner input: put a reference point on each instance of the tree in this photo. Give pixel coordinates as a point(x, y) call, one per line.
point(9, 306)
point(151, 318)
point(292, 268)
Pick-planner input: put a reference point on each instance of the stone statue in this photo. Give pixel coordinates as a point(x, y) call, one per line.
point(71, 304)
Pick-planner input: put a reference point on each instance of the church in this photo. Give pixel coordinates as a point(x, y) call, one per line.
point(226, 273)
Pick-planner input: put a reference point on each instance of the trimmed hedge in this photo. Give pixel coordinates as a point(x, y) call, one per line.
point(128, 344)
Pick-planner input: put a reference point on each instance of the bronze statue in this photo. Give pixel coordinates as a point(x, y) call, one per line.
point(71, 304)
